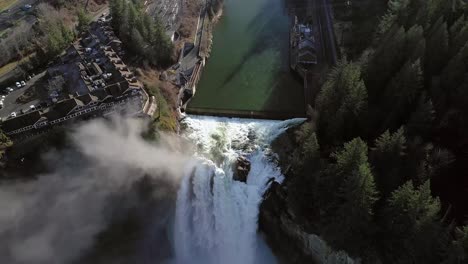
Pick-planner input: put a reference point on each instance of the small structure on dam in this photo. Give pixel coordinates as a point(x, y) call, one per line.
point(303, 50)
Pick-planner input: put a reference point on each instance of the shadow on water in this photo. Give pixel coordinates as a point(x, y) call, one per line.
point(263, 26)
point(256, 76)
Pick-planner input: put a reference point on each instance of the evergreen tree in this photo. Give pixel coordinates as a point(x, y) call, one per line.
point(349, 223)
point(437, 48)
point(305, 198)
point(396, 14)
point(436, 9)
point(137, 43)
point(387, 159)
point(83, 20)
point(455, 29)
point(307, 154)
point(341, 104)
point(420, 121)
point(415, 43)
point(413, 233)
point(117, 10)
point(400, 95)
point(386, 61)
point(458, 253)
point(144, 36)
point(454, 73)
point(4, 140)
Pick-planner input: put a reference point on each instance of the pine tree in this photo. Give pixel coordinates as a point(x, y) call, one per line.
point(400, 94)
point(397, 13)
point(83, 20)
point(415, 43)
point(436, 9)
point(341, 103)
point(137, 43)
point(4, 140)
point(458, 252)
point(117, 10)
point(413, 233)
point(304, 197)
point(459, 39)
point(349, 223)
point(307, 154)
point(437, 48)
point(387, 159)
point(386, 61)
point(452, 77)
point(420, 121)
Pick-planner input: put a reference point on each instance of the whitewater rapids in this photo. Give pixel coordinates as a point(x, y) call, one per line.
point(216, 217)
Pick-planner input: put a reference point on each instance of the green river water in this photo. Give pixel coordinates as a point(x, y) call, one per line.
point(248, 69)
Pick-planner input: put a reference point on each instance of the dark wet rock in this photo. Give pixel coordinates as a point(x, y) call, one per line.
point(163, 76)
point(241, 169)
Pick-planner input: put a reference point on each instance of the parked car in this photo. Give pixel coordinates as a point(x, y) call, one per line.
point(23, 83)
point(32, 107)
point(26, 7)
point(9, 89)
point(13, 114)
point(18, 85)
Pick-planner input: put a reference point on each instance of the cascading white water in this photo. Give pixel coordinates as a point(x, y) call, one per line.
point(216, 216)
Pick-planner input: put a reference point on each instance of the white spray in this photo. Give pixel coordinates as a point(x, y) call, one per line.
point(216, 216)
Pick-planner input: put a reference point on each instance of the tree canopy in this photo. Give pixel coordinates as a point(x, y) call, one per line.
point(144, 36)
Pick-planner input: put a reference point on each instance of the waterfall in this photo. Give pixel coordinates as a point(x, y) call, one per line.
point(216, 216)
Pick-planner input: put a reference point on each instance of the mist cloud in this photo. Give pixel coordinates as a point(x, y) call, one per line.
point(55, 218)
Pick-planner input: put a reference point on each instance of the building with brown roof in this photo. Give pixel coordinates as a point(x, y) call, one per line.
point(110, 86)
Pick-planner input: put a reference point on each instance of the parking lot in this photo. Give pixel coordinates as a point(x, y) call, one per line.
point(10, 102)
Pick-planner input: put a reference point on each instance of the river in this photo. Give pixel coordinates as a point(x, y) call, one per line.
point(249, 65)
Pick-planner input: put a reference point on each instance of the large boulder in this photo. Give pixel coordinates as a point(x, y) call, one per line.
point(241, 169)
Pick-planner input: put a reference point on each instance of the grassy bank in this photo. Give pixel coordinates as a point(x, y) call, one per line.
point(6, 4)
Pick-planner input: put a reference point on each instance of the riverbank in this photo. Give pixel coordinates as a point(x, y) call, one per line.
point(186, 73)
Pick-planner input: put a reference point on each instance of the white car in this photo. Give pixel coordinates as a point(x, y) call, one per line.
point(32, 107)
point(18, 85)
point(10, 89)
point(3, 96)
point(13, 114)
point(23, 83)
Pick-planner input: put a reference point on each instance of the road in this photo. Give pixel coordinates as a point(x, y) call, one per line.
point(8, 19)
point(329, 34)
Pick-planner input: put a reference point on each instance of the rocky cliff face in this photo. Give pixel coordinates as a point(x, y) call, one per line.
point(216, 7)
point(290, 242)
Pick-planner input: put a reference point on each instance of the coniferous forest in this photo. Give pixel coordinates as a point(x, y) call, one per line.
point(381, 170)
